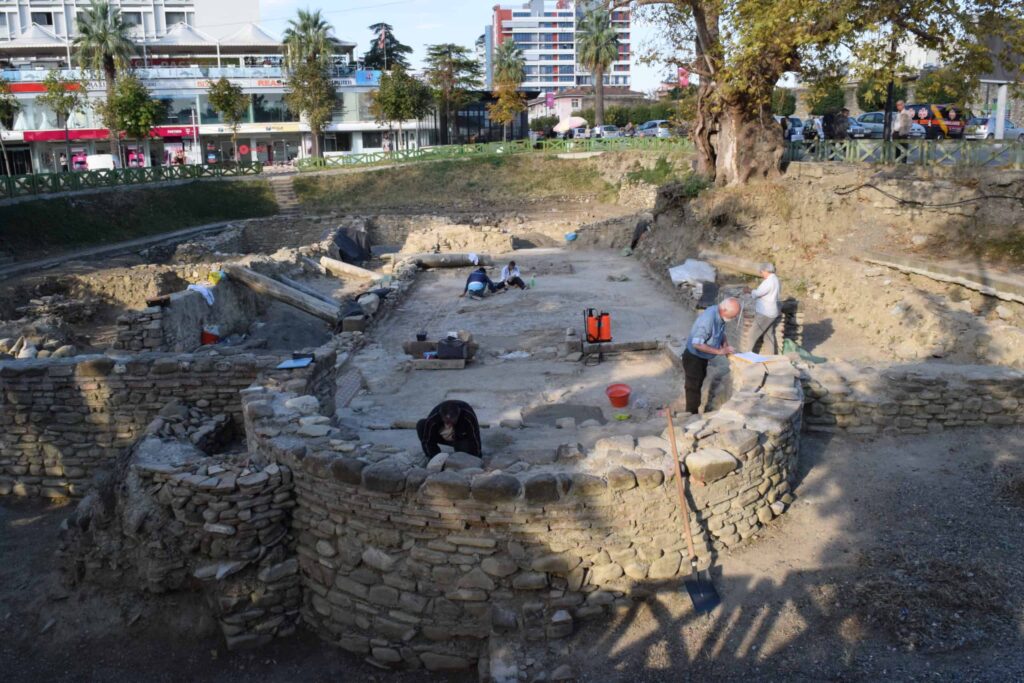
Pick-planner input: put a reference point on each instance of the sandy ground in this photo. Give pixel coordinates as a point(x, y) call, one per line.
point(519, 332)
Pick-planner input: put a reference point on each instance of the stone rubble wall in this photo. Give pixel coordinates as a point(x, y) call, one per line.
point(230, 531)
point(418, 568)
point(62, 420)
point(912, 399)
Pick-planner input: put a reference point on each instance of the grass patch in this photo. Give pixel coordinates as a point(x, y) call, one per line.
point(662, 172)
point(44, 226)
point(492, 180)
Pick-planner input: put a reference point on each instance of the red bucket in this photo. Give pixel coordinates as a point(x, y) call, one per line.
point(618, 394)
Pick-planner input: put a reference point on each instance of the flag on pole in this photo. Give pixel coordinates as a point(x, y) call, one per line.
point(383, 39)
point(684, 77)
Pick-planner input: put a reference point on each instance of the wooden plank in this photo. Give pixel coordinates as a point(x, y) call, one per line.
point(999, 285)
point(261, 284)
point(342, 269)
point(306, 289)
point(437, 364)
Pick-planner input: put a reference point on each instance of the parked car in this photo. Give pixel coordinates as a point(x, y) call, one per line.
point(984, 128)
point(581, 133)
point(940, 121)
point(607, 132)
point(874, 123)
point(794, 128)
point(655, 129)
point(856, 130)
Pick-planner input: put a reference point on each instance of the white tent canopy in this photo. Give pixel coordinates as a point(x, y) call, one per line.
point(250, 35)
point(34, 41)
point(181, 35)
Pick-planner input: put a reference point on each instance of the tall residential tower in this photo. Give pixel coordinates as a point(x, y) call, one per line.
point(546, 32)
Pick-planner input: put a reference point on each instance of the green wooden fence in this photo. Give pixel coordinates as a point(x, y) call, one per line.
point(1004, 154)
point(46, 183)
point(493, 149)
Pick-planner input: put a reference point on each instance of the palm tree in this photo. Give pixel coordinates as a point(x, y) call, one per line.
point(104, 44)
point(509, 74)
point(509, 64)
point(597, 46)
point(308, 39)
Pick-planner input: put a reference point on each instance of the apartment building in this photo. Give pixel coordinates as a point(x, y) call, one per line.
point(182, 46)
point(545, 30)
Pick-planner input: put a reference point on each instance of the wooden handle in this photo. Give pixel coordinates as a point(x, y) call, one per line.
point(680, 486)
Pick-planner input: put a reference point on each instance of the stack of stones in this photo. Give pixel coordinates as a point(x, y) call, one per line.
point(140, 330)
point(231, 522)
point(178, 421)
point(415, 567)
point(792, 326)
point(911, 400)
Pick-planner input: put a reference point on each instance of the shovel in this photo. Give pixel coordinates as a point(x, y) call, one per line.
point(702, 592)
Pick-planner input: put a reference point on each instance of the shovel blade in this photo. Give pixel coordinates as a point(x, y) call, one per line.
point(702, 594)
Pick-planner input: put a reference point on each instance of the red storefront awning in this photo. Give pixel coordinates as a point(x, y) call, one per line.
point(173, 131)
point(74, 134)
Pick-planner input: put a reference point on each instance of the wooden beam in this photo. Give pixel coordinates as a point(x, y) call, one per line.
point(993, 283)
point(343, 270)
point(306, 289)
point(261, 284)
point(450, 260)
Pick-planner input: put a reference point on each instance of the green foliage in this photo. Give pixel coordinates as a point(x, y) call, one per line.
point(104, 42)
point(872, 93)
point(451, 72)
point(132, 108)
point(46, 225)
point(636, 114)
point(826, 97)
point(62, 96)
point(311, 92)
point(231, 102)
point(944, 86)
point(308, 40)
point(783, 102)
point(509, 64)
point(9, 106)
point(400, 97)
point(393, 54)
point(661, 173)
point(542, 124)
point(597, 46)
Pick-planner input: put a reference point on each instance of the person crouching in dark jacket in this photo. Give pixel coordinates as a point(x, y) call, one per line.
point(450, 423)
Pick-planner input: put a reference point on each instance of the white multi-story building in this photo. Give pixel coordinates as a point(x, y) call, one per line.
point(545, 30)
point(149, 18)
point(181, 47)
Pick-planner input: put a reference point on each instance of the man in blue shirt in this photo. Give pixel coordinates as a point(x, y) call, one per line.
point(707, 340)
point(478, 283)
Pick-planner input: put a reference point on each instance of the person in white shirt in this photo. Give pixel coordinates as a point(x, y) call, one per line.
point(511, 276)
point(766, 309)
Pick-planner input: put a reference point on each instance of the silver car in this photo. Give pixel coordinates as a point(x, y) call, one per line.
point(874, 123)
point(655, 129)
point(606, 132)
point(984, 128)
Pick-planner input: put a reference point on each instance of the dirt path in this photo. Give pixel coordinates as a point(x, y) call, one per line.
point(860, 570)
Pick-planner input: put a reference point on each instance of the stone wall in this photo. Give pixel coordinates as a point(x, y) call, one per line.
point(911, 399)
point(62, 420)
point(178, 325)
point(417, 565)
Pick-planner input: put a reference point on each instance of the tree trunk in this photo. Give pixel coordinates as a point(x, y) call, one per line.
point(234, 144)
point(110, 73)
point(3, 149)
point(598, 97)
point(750, 146)
point(67, 147)
point(703, 128)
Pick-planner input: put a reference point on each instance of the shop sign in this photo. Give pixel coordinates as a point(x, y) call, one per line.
point(173, 131)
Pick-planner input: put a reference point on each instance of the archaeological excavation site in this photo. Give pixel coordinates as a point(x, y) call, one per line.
point(213, 465)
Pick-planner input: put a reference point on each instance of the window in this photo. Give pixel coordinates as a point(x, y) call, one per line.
point(42, 18)
point(172, 18)
point(373, 140)
point(132, 18)
point(575, 103)
point(3, 27)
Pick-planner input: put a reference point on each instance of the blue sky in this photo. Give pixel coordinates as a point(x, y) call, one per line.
point(418, 23)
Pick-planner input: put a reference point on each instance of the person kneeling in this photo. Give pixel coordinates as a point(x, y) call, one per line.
point(450, 423)
point(477, 283)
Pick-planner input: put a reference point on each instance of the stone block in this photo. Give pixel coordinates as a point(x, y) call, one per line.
point(449, 485)
point(434, 661)
point(348, 470)
point(621, 479)
point(305, 405)
point(384, 477)
point(542, 488)
point(605, 574)
point(101, 367)
point(587, 485)
point(649, 478)
point(378, 559)
point(665, 567)
point(710, 464)
point(610, 444)
point(499, 565)
point(737, 441)
point(476, 578)
point(530, 581)
point(279, 571)
point(497, 487)
point(556, 563)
